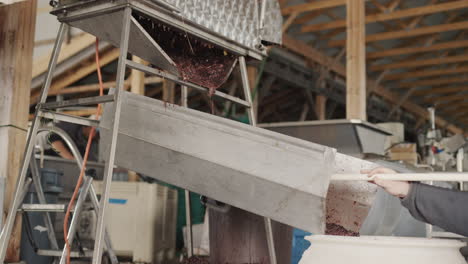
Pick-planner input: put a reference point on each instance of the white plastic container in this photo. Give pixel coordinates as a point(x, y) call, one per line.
point(382, 250)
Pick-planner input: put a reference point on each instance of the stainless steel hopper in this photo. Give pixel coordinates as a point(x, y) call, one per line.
point(232, 26)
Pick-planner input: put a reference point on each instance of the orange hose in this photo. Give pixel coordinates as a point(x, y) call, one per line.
point(85, 159)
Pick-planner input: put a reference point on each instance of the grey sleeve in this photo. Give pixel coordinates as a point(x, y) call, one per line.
point(438, 206)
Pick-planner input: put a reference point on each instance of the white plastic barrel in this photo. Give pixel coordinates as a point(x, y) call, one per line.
point(382, 250)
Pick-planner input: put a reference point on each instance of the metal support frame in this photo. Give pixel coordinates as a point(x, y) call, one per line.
point(253, 122)
point(188, 202)
point(108, 170)
point(6, 230)
point(82, 196)
point(23, 182)
point(42, 200)
point(76, 215)
point(40, 112)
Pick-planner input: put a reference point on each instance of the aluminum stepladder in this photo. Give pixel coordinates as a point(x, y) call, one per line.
point(43, 110)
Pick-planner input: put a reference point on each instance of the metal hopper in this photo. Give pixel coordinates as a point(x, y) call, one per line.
point(267, 173)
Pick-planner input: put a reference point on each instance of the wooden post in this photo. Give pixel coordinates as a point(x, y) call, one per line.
point(356, 60)
point(17, 26)
point(321, 107)
point(168, 91)
point(252, 73)
point(137, 85)
point(238, 237)
point(137, 78)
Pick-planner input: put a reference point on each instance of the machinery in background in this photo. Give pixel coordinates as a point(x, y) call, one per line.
point(352, 137)
point(142, 221)
point(442, 153)
point(365, 140)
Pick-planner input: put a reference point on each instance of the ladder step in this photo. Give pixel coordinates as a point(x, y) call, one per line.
point(58, 253)
point(78, 102)
point(57, 208)
point(68, 118)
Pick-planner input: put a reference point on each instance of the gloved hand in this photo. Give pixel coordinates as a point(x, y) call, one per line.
point(399, 189)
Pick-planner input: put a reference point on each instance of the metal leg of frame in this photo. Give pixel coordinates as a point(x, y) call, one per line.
point(76, 216)
point(253, 121)
point(21, 195)
point(100, 229)
point(188, 211)
point(188, 218)
point(270, 240)
point(6, 231)
point(36, 178)
point(247, 94)
point(94, 200)
point(92, 192)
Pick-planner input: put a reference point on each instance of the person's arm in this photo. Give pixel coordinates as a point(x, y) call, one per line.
point(434, 205)
point(62, 150)
point(439, 206)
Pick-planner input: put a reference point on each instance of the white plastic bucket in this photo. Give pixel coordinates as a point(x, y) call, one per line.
point(382, 250)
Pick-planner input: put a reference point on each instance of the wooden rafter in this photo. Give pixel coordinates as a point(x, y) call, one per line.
point(323, 4)
point(313, 55)
point(77, 44)
point(433, 82)
point(441, 90)
point(412, 50)
point(426, 40)
point(407, 34)
point(419, 63)
point(425, 73)
point(454, 107)
point(447, 98)
point(380, 17)
point(80, 72)
point(429, 41)
point(308, 17)
point(288, 22)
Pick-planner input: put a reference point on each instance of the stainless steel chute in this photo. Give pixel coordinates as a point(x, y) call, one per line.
point(267, 173)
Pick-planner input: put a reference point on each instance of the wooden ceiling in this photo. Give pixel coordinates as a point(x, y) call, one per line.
point(416, 51)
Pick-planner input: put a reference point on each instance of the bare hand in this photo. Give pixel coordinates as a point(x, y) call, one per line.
point(399, 189)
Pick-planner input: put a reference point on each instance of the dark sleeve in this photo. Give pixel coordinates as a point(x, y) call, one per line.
point(69, 128)
point(438, 206)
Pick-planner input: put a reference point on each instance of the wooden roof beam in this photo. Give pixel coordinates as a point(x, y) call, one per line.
point(441, 90)
point(419, 63)
point(316, 56)
point(447, 98)
point(425, 73)
point(454, 108)
point(308, 17)
point(433, 82)
point(412, 50)
point(77, 44)
point(323, 4)
point(443, 100)
point(80, 72)
point(381, 17)
point(407, 33)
